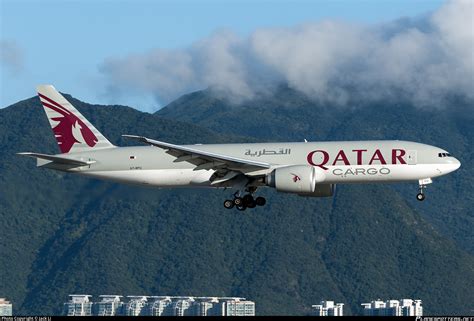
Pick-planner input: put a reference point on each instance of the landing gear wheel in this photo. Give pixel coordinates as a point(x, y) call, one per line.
point(241, 207)
point(251, 204)
point(228, 204)
point(238, 201)
point(247, 199)
point(260, 201)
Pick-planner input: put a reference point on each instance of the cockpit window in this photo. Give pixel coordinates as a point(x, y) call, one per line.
point(444, 155)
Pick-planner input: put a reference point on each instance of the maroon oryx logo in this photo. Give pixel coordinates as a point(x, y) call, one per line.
point(66, 123)
point(296, 178)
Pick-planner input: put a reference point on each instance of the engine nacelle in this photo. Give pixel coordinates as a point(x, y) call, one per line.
point(298, 179)
point(321, 190)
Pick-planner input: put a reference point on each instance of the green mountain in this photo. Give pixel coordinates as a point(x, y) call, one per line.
point(63, 234)
point(291, 116)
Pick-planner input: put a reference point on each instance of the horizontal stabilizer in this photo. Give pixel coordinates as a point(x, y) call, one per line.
point(57, 159)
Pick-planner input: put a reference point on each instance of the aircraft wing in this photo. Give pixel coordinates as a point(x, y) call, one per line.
point(204, 159)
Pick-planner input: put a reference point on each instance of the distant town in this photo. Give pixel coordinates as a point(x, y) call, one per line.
point(403, 307)
point(111, 305)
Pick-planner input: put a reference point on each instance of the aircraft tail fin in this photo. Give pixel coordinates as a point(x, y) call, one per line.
point(73, 132)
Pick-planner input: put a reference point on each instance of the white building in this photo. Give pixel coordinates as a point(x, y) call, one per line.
point(135, 305)
point(328, 308)
point(78, 305)
point(5, 308)
point(161, 306)
point(403, 307)
point(181, 306)
point(411, 308)
point(235, 307)
point(109, 305)
point(205, 306)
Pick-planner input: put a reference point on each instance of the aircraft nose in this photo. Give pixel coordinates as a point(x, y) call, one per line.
point(453, 165)
point(457, 164)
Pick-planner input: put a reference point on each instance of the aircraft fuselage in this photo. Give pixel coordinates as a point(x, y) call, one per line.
point(342, 162)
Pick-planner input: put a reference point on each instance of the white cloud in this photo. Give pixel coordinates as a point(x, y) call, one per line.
point(423, 60)
point(11, 56)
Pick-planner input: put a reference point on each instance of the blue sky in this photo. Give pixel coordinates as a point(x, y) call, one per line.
point(65, 42)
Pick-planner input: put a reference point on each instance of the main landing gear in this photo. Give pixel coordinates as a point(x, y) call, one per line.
point(242, 203)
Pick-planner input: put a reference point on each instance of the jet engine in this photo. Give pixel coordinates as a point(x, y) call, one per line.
point(300, 179)
point(321, 190)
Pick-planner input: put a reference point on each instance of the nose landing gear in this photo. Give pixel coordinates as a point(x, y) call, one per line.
point(420, 196)
point(242, 203)
point(422, 185)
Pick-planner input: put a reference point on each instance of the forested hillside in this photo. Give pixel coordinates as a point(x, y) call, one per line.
point(64, 234)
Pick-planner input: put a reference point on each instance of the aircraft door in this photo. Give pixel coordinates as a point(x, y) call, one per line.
point(411, 157)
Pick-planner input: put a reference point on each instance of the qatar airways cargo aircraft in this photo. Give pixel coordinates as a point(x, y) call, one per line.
point(302, 168)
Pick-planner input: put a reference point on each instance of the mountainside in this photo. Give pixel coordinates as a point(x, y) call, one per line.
point(65, 234)
point(291, 116)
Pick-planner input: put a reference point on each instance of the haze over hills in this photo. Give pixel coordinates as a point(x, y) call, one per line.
point(66, 234)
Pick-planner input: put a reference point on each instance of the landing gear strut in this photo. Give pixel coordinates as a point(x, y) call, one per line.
point(422, 185)
point(247, 201)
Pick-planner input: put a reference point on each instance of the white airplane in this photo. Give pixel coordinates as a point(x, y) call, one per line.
point(304, 168)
